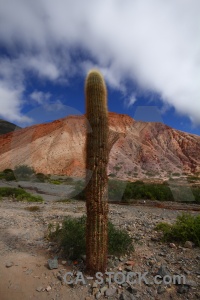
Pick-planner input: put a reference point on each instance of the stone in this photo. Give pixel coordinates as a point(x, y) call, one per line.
point(128, 268)
point(161, 289)
point(132, 290)
point(39, 289)
point(9, 264)
point(53, 263)
point(94, 285)
point(95, 290)
point(172, 245)
point(110, 291)
point(130, 263)
point(163, 271)
point(188, 244)
point(98, 295)
point(103, 289)
point(48, 288)
point(127, 296)
point(182, 289)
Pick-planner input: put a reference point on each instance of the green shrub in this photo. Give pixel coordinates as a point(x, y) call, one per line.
point(53, 181)
point(71, 236)
point(24, 172)
point(186, 227)
point(162, 192)
point(10, 176)
point(126, 191)
point(19, 194)
point(41, 177)
point(7, 175)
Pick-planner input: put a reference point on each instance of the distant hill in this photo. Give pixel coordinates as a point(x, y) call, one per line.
point(144, 149)
point(6, 127)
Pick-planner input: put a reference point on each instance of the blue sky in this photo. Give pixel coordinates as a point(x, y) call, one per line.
point(147, 50)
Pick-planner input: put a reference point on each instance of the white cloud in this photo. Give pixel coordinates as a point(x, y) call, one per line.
point(10, 102)
point(40, 97)
point(131, 100)
point(153, 42)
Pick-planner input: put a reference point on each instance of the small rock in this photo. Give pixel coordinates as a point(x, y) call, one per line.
point(172, 245)
point(160, 289)
point(95, 285)
point(182, 289)
point(130, 263)
point(39, 289)
point(103, 289)
point(110, 292)
point(128, 268)
point(9, 264)
point(28, 272)
point(98, 295)
point(163, 271)
point(48, 288)
point(132, 290)
point(53, 264)
point(188, 244)
point(126, 296)
point(95, 291)
point(64, 262)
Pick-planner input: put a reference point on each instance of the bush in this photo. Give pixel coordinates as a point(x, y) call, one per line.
point(8, 175)
point(41, 177)
point(162, 192)
point(19, 194)
point(6, 171)
point(53, 181)
point(71, 236)
point(187, 227)
point(24, 172)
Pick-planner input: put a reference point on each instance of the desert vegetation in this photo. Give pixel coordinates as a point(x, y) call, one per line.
point(18, 194)
point(186, 228)
point(124, 191)
point(71, 237)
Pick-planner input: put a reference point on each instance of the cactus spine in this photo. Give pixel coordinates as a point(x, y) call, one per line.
point(96, 161)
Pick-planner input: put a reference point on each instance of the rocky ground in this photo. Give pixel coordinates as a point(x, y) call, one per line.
point(25, 251)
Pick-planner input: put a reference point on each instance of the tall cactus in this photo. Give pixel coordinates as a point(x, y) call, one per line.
point(96, 162)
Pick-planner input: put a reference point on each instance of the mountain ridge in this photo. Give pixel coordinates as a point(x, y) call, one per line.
point(58, 147)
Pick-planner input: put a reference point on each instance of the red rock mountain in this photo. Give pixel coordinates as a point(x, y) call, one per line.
point(142, 149)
